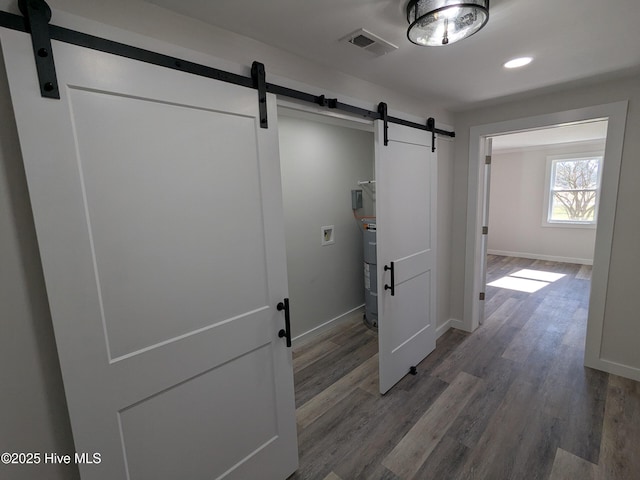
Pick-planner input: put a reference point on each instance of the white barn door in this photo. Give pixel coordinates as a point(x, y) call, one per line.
point(406, 236)
point(158, 210)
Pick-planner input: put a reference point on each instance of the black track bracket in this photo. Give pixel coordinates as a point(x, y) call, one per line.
point(260, 83)
point(327, 102)
point(384, 116)
point(431, 127)
point(37, 15)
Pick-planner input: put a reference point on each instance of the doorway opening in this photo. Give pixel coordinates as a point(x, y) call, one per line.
point(327, 167)
point(542, 195)
point(476, 248)
point(406, 232)
point(323, 161)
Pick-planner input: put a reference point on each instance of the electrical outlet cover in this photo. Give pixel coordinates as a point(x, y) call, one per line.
point(327, 233)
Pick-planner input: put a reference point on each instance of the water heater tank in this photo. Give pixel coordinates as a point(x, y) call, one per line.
point(370, 276)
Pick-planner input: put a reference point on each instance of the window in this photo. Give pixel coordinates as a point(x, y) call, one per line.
point(573, 190)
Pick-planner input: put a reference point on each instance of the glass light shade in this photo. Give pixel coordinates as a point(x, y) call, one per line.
point(442, 22)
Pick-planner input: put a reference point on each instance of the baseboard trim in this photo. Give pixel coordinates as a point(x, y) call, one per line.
point(536, 256)
point(458, 324)
point(448, 325)
point(442, 329)
point(315, 331)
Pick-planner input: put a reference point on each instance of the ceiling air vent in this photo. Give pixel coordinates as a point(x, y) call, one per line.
point(369, 42)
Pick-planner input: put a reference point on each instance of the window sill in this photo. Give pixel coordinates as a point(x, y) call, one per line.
point(588, 226)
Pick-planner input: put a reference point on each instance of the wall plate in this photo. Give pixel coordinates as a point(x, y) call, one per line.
point(328, 235)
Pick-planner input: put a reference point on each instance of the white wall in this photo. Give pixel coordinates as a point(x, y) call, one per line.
point(34, 415)
point(517, 206)
point(621, 329)
point(444, 153)
point(321, 164)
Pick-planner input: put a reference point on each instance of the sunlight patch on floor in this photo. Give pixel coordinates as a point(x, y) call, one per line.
point(526, 280)
point(538, 275)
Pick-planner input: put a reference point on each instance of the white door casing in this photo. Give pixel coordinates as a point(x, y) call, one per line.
point(158, 210)
point(406, 180)
point(484, 245)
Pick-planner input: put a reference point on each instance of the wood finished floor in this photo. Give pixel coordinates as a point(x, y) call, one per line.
point(510, 401)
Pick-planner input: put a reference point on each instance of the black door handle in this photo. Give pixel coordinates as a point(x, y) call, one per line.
point(286, 331)
point(391, 287)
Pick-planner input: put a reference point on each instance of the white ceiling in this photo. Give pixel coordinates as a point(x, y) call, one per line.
point(579, 132)
point(569, 40)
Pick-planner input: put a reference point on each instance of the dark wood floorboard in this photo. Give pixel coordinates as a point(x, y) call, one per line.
point(357, 346)
point(510, 401)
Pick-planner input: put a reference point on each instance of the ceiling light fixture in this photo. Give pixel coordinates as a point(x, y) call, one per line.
point(518, 62)
point(443, 22)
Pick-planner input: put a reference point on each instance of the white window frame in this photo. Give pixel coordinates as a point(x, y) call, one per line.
point(548, 185)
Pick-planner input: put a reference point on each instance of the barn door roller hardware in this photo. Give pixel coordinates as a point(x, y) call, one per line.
point(36, 21)
point(382, 110)
point(37, 15)
point(258, 76)
point(431, 126)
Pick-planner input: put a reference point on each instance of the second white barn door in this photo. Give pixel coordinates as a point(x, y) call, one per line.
point(406, 237)
point(158, 209)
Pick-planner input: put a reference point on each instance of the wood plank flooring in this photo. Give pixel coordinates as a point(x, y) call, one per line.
point(510, 401)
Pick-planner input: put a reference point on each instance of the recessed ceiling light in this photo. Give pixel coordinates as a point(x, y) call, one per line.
point(518, 62)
